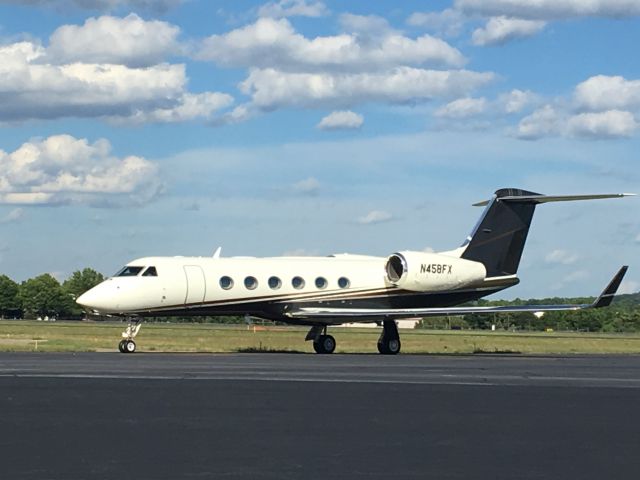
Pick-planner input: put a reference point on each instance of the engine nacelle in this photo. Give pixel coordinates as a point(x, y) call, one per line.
point(431, 272)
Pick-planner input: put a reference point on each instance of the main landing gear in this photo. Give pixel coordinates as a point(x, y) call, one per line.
point(388, 343)
point(127, 345)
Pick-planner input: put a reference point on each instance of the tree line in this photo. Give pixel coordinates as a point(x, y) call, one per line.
point(45, 296)
point(622, 316)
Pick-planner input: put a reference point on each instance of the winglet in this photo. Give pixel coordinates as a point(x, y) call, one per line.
point(605, 298)
point(217, 253)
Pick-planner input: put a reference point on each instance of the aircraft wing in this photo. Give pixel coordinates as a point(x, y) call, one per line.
point(604, 300)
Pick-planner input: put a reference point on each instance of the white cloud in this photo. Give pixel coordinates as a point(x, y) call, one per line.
point(602, 107)
point(130, 41)
point(102, 5)
point(548, 121)
point(375, 216)
point(365, 24)
point(544, 121)
point(270, 43)
point(500, 30)
point(239, 114)
point(602, 92)
point(550, 9)
point(575, 276)
point(571, 278)
point(517, 100)
point(13, 216)
point(462, 108)
point(190, 106)
point(447, 22)
point(33, 88)
point(341, 120)
point(561, 257)
point(272, 89)
point(308, 186)
point(293, 8)
point(62, 169)
point(609, 124)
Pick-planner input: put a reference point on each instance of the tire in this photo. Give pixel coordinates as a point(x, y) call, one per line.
point(121, 346)
point(382, 348)
point(328, 344)
point(393, 346)
point(324, 344)
point(130, 346)
point(389, 347)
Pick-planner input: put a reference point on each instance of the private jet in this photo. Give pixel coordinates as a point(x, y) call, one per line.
point(324, 291)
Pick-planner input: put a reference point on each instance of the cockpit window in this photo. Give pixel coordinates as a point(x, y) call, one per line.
point(150, 272)
point(129, 271)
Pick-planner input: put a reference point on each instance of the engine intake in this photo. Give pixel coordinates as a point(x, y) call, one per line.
point(423, 272)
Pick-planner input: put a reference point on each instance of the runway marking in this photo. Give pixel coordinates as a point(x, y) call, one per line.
point(511, 381)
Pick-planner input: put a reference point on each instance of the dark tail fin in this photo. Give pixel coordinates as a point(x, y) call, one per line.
point(499, 237)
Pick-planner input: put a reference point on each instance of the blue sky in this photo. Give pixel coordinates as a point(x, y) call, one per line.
point(138, 127)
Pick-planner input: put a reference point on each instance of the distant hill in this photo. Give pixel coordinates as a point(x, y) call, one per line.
point(629, 300)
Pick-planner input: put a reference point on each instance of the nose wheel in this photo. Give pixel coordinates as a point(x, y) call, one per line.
point(127, 345)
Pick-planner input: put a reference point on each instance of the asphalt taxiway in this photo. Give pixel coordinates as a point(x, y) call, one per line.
point(174, 416)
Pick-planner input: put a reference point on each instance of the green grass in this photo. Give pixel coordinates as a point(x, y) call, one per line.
point(104, 336)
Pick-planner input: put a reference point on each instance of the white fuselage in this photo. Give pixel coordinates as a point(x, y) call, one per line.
point(210, 285)
point(191, 281)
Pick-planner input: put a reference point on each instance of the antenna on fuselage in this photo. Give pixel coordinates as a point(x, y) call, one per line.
point(216, 254)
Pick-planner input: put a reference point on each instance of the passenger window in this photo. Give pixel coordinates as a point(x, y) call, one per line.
point(129, 271)
point(274, 283)
point(343, 282)
point(226, 282)
point(150, 272)
point(297, 282)
point(251, 283)
point(321, 283)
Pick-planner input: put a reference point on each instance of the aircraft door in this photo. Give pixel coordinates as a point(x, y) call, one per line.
point(196, 284)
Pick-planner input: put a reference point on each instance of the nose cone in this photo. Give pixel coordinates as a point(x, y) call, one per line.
point(96, 299)
point(87, 299)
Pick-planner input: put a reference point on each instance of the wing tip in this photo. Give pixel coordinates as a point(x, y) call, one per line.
point(609, 293)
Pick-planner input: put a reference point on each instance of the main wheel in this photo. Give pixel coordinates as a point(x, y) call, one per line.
point(129, 346)
point(324, 344)
point(389, 346)
point(328, 344)
point(393, 346)
point(121, 346)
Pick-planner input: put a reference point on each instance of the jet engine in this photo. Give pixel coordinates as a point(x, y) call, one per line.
point(432, 272)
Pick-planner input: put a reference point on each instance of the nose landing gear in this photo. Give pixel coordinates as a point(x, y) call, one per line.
point(127, 345)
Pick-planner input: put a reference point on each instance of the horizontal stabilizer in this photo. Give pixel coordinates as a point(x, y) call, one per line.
point(603, 300)
point(536, 199)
